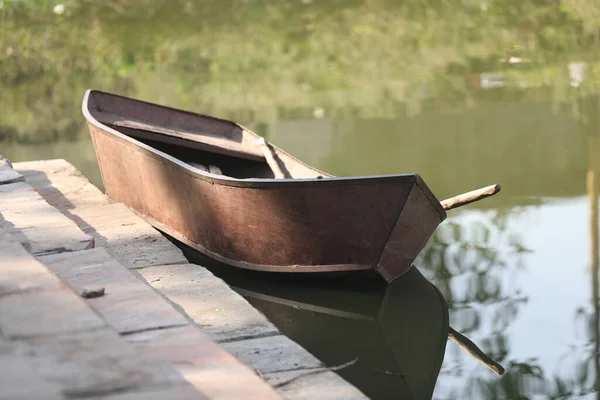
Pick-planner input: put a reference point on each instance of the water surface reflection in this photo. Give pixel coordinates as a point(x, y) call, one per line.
point(388, 340)
point(532, 303)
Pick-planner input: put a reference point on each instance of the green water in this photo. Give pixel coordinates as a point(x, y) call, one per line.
point(466, 93)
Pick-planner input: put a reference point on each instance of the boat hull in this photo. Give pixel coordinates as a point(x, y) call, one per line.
point(291, 225)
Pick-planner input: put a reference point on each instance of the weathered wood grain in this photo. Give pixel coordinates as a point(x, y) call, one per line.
point(206, 299)
point(269, 154)
point(129, 303)
point(203, 363)
point(41, 228)
point(171, 392)
point(67, 189)
point(19, 272)
point(273, 354)
point(470, 197)
point(45, 313)
point(313, 385)
point(18, 378)
point(128, 238)
point(95, 363)
point(52, 345)
point(295, 373)
point(44, 306)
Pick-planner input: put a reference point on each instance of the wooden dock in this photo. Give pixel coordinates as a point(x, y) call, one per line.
point(95, 303)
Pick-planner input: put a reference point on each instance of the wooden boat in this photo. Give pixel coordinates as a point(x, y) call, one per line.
point(221, 189)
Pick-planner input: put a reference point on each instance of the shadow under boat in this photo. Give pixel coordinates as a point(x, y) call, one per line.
point(388, 340)
point(392, 342)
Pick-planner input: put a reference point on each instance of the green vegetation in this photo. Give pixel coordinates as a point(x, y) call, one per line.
point(262, 60)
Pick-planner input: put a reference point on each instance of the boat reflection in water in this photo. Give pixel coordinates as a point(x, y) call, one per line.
point(388, 340)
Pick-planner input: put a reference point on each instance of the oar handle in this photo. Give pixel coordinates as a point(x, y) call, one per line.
point(470, 197)
point(467, 345)
point(269, 156)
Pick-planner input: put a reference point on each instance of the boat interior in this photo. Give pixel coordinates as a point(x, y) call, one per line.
point(203, 158)
point(195, 139)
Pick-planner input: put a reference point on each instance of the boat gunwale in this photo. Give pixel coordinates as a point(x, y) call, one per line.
point(253, 183)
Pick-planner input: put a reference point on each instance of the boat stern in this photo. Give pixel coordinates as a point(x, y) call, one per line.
point(418, 219)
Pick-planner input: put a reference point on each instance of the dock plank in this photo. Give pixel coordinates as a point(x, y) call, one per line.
point(19, 380)
point(127, 237)
point(67, 189)
point(182, 392)
point(222, 313)
point(273, 354)
point(19, 273)
point(203, 363)
point(129, 303)
point(45, 313)
point(314, 385)
point(19, 192)
point(51, 309)
point(41, 228)
point(49, 336)
point(96, 363)
point(295, 373)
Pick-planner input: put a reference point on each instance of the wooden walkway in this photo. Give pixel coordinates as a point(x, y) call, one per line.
point(164, 328)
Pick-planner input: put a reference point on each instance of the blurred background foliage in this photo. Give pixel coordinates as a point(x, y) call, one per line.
point(261, 60)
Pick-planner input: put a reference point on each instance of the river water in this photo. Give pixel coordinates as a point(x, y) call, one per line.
point(467, 95)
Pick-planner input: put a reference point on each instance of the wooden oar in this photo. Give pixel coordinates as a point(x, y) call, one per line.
point(269, 156)
point(467, 345)
point(470, 197)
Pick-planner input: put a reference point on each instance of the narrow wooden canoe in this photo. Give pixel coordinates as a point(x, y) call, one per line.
point(149, 158)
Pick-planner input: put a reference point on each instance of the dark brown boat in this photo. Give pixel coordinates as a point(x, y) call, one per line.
point(221, 189)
